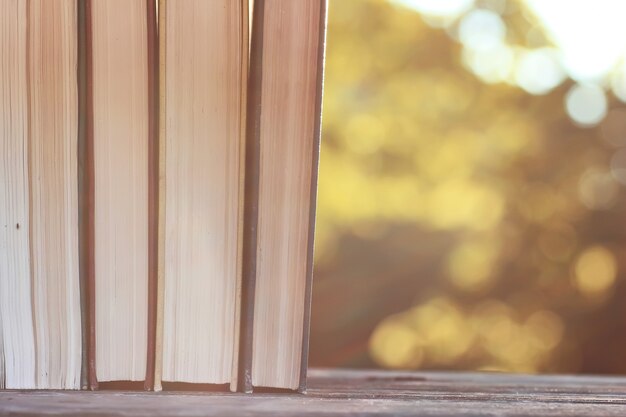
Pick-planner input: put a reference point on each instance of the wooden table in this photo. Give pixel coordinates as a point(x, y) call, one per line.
point(353, 393)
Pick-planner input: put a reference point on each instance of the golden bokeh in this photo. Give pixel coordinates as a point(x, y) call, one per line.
point(439, 333)
point(471, 264)
point(595, 271)
point(396, 345)
point(468, 198)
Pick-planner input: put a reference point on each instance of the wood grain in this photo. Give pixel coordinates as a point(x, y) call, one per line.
point(355, 393)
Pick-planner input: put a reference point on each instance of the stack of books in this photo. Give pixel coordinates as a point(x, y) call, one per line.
point(158, 171)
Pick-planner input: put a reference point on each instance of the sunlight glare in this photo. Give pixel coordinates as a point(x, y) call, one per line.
point(591, 34)
point(440, 8)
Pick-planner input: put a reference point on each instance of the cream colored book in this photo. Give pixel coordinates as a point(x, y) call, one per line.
point(40, 319)
point(118, 159)
point(203, 62)
point(285, 92)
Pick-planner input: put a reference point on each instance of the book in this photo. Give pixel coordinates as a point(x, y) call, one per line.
point(157, 192)
point(40, 320)
point(120, 182)
point(284, 114)
point(203, 62)
point(204, 48)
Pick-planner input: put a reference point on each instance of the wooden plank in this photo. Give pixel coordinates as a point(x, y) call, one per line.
point(352, 393)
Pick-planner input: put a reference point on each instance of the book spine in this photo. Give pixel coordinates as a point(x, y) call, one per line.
point(313, 198)
point(251, 197)
point(153, 188)
point(89, 196)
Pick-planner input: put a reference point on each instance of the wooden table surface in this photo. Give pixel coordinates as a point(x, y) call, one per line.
point(352, 393)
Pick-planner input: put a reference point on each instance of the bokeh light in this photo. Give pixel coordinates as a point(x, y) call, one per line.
point(595, 271)
point(493, 65)
point(396, 345)
point(581, 39)
point(598, 190)
point(471, 265)
point(472, 186)
point(539, 70)
point(443, 8)
point(590, 34)
point(618, 166)
point(586, 104)
point(482, 30)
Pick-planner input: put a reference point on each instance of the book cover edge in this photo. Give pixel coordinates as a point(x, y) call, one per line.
point(313, 198)
point(251, 198)
point(158, 355)
point(82, 203)
point(153, 188)
point(89, 197)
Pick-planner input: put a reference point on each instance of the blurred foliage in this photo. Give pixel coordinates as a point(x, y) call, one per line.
point(461, 225)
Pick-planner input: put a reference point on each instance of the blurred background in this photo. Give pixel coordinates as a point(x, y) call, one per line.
point(472, 188)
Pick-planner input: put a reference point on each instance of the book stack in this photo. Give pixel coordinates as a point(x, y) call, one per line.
point(158, 171)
